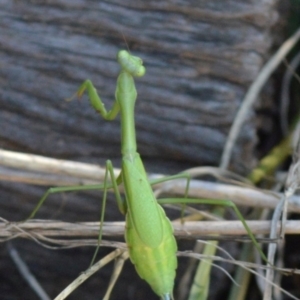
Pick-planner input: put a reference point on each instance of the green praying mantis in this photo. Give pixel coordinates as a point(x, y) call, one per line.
point(148, 233)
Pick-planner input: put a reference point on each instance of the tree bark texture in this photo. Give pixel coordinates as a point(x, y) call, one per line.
point(201, 56)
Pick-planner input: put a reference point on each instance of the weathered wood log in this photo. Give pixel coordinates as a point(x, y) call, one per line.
point(200, 59)
point(199, 62)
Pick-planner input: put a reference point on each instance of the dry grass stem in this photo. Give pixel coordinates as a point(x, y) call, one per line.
point(192, 229)
point(116, 273)
point(31, 177)
point(39, 163)
point(26, 273)
point(88, 273)
point(289, 74)
point(291, 185)
point(239, 195)
point(252, 95)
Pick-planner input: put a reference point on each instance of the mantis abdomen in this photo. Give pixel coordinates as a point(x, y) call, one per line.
point(149, 235)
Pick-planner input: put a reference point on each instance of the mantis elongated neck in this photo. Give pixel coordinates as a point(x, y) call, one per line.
point(126, 96)
point(128, 135)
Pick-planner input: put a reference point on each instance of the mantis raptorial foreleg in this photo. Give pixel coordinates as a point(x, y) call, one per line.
point(148, 233)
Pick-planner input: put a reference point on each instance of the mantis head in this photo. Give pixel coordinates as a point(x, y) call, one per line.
point(131, 64)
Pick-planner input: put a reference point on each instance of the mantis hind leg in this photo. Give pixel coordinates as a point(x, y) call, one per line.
point(183, 175)
point(226, 203)
point(174, 177)
point(55, 190)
